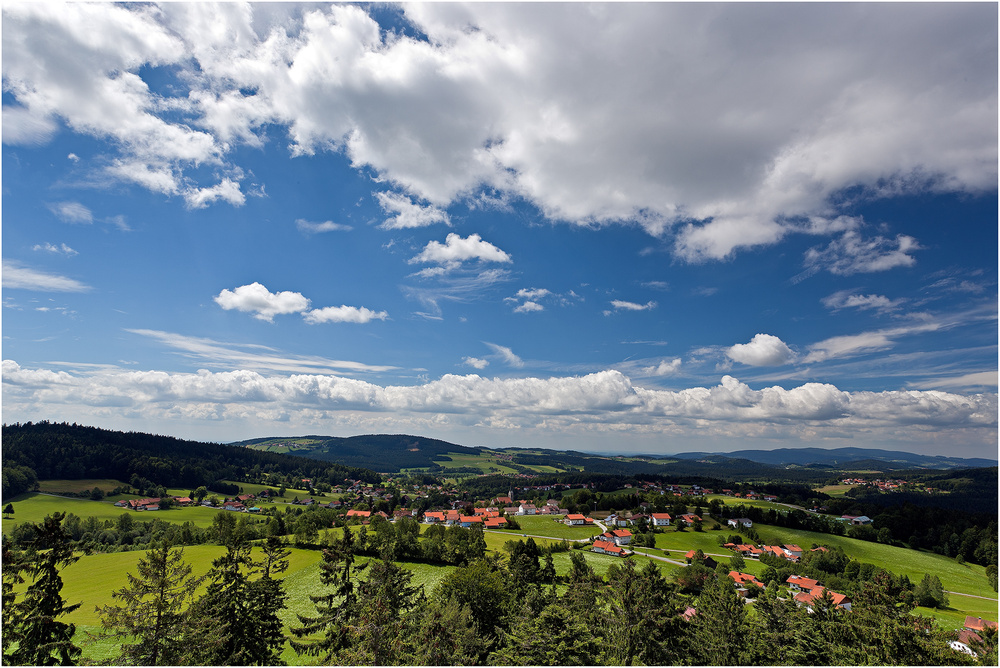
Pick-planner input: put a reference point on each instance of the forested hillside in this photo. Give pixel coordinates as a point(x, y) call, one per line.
point(59, 450)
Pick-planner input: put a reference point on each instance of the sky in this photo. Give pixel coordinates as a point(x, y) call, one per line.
point(633, 228)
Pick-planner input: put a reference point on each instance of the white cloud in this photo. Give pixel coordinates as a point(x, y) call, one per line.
point(762, 350)
point(475, 362)
point(664, 368)
point(846, 299)
point(533, 293)
point(506, 354)
point(529, 307)
point(257, 299)
point(407, 214)
point(853, 255)
point(325, 226)
point(621, 305)
point(742, 122)
point(599, 403)
point(22, 128)
point(254, 357)
point(226, 190)
point(72, 212)
point(15, 275)
point(343, 314)
point(456, 250)
point(61, 249)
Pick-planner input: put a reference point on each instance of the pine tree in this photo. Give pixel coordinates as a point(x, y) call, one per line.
point(720, 628)
point(334, 609)
point(33, 623)
point(236, 622)
point(151, 609)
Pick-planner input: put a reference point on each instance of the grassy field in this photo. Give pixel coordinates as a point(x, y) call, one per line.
point(964, 578)
point(544, 525)
point(34, 506)
point(835, 490)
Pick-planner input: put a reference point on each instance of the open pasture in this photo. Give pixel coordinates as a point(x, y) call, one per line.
point(964, 578)
point(552, 525)
point(35, 506)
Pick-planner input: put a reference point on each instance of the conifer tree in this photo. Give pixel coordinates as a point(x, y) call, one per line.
point(236, 622)
point(335, 608)
point(720, 629)
point(151, 609)
point(32, 622)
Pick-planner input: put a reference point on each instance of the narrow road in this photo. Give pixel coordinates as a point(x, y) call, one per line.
point(958, 593)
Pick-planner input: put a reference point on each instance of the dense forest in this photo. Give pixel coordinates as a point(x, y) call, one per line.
point(65, 451)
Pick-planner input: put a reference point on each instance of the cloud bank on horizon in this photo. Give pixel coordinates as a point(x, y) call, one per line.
point(611, 207)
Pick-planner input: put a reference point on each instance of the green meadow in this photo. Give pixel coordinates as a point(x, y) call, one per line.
point(964, 578)
point(35, 506)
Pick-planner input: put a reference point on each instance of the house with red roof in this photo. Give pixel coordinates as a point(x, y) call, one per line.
point(575, 519)
point(801, 583)
point(495, 523)
point(359, 514)
point(605, 547)
point(807, 598)
point(978, 623)
point(661, 519)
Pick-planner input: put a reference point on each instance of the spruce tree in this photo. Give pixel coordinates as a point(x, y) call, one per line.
point(334, 609)
point(151, 609)
point(236, 622)
point(33, 622)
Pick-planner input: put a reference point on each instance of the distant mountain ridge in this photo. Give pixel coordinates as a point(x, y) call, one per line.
point(392, 452)
point(841, 456)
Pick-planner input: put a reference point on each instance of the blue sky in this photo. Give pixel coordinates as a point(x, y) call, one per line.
point(631, 228)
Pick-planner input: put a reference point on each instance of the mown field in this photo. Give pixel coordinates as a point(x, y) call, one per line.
point(964, 578)
point(34, 506)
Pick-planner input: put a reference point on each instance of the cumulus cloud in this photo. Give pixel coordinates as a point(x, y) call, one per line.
point(72, 212)
point(61, 249)
point(260, 301)
point(597, 402)
point(344, 314)
point(406, 214)
point(529, 300)
point(16, 275)
point(257, 299)
point(529, 102)
point(664, 368)
point(475, 362)
point(226, 190)
point(317, 228)
point(762, 350)
point(853, 255)
point(455, 250)
point(620, 305)
point(529, 307)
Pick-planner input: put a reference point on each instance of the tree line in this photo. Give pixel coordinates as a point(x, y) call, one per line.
point(507, 609)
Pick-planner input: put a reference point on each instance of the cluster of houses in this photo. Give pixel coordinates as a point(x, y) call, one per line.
point(971, 634)
point(151, 503)
point(749, 551)
point(805, 591)
point(612, 542)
